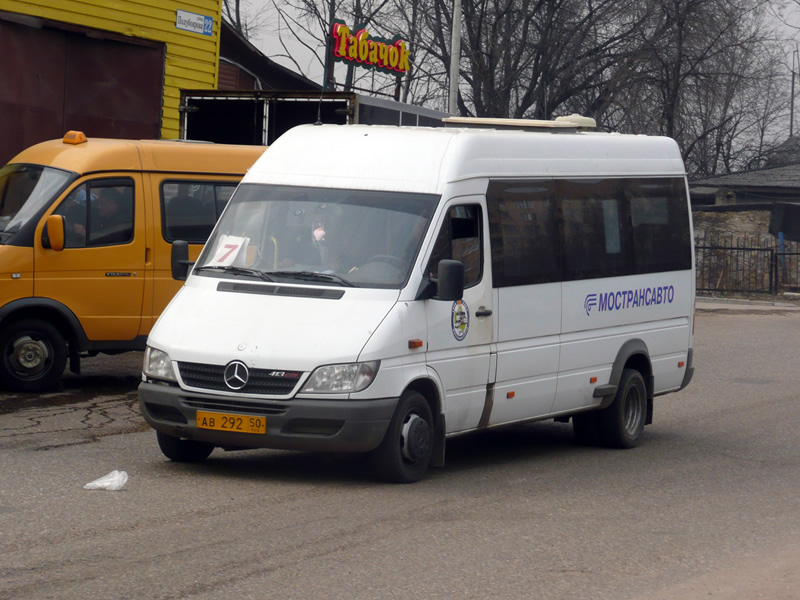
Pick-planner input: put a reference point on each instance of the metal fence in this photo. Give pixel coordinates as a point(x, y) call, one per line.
point(734, 269)
point(755, 264)
point(787, 272)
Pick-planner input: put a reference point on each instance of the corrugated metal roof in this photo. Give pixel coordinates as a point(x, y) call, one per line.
point(787, 177)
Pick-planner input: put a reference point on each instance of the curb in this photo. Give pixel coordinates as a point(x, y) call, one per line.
point(739, 305)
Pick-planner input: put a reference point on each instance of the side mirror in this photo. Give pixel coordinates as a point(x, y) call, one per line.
point(53, 233)
point(450, 280)
point(179, 259)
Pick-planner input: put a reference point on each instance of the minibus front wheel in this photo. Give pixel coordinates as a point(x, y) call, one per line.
point(34, 356)
point(407, 447)
point(179, 450)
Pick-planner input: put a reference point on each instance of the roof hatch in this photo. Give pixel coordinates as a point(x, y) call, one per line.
point(568, 124)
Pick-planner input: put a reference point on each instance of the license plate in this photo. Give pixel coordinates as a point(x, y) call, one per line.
point(236, 423)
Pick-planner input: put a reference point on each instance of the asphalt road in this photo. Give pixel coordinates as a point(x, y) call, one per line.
point(706, 507)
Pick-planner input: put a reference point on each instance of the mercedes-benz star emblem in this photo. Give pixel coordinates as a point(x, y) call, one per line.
point(236, 375)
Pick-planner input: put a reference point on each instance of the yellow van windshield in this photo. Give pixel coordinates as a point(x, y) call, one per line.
point(24, 191)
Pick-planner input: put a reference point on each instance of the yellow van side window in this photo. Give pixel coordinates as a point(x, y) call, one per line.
point(99, 213)
point(191, 208)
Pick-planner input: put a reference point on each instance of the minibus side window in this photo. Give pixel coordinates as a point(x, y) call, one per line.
point(523, 232)
point(190, 209)
point(594, 217)
point(460, 238)
point(590, 228)
point(98, 213)
point(660, 221)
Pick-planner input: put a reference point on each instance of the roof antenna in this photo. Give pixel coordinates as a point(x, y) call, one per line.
point(319, 104)
point(319, 108)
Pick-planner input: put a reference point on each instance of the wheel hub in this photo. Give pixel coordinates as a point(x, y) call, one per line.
point(634, 412)
point(416, 436)
point(30, 354)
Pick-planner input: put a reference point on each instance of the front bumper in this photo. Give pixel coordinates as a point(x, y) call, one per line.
point(296, 424)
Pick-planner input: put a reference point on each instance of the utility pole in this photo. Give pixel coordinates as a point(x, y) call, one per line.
point(455, 55)
point(327, 74)
point(791, 103)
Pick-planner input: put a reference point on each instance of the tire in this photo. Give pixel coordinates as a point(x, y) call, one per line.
point(34, 355)
point(586, 427)
point(407, 447)
point(622, 423)
point(185, 451)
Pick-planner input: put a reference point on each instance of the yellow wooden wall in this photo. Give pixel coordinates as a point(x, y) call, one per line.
point(191, 58)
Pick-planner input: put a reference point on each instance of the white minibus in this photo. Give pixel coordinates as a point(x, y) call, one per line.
point(381, 289)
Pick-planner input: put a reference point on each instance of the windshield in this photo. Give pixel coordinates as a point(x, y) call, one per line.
point(319, 236)
point(24, 191)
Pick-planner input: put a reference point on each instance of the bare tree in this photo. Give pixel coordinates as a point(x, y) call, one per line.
point(703, 69)
point(706, 72)
point(310, 22)
point(245, 18)
point(528, 58)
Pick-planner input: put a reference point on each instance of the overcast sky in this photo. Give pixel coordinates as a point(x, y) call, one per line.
point(267, 39)
point(268, 42)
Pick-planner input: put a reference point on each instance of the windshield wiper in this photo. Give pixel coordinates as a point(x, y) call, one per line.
point(312, 276)
point(237, 271)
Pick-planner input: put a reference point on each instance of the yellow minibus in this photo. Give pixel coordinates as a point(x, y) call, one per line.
point(86, 227)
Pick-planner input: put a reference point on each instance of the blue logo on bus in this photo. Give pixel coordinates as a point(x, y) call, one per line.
point(590, 303)
point(625, 299)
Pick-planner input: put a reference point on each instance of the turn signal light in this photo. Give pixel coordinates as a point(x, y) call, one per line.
point(413, 344)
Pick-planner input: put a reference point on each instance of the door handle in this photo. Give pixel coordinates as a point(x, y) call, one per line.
point(483, 312)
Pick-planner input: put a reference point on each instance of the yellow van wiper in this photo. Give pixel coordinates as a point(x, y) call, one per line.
point(313, 276)
point(236, 271)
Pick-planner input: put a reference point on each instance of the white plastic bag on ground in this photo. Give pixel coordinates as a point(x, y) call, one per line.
point(113, 481)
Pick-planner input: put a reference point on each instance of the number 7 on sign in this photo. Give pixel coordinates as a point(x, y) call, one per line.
point(229, 248)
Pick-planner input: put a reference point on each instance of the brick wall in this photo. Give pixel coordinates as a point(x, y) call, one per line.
point(745, 222)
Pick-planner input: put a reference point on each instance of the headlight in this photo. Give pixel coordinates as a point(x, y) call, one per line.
point(352, 377)
point(157, 364)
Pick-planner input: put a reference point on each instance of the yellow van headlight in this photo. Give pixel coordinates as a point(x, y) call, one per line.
point(351, 377)
point(157, 364)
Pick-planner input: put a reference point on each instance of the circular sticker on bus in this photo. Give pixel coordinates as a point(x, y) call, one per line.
point(459, 319)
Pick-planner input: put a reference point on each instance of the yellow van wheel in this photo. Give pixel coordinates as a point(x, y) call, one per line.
point(34, 355)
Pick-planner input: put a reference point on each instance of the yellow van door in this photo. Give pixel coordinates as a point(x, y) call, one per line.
point(184, 207)
point(100, 273)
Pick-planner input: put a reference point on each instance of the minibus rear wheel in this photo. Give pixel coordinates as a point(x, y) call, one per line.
point(179, 450)
point(34, 356)
point(622, 423)
point(407, 447)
